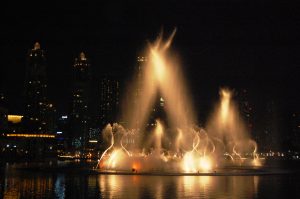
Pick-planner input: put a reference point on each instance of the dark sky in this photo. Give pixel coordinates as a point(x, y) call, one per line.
point(236, 43)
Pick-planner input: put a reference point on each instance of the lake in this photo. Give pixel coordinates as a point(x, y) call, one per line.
point(76, 183)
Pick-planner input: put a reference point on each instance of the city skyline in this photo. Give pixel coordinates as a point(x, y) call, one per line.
point(236, 45)
point(241, 46)
point(150, 99)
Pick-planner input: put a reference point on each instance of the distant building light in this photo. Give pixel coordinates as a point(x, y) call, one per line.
point(64, 117)
point(14, 118)
point(93, 141)
point(36, 46)
point(82, 56)
point(31, 135)
point(7, 145)
point(59, 132)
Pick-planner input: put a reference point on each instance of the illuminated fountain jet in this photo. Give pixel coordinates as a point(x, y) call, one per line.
point(189, 148)
point(227, 126)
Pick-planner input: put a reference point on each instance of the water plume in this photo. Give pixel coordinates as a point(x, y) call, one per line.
point(177, 144)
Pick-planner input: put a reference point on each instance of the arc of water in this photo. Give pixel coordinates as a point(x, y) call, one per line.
point(255, 155)
point(209, 141)
point(227, 154)
point(103, 154)
point(123, 147)
point(235, 152)
point(195, 145)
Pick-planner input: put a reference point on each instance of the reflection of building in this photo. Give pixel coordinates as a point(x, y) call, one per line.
point(26, 187)
point(109, 101)
point(39, 113)
point(80, 111)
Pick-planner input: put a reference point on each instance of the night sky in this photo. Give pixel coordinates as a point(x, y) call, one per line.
point(240, 44)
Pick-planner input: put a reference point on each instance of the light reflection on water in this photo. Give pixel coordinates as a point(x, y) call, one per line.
point(112, 186)
point(25, 184)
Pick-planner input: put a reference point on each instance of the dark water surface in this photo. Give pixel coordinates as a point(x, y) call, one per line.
point(75, 183)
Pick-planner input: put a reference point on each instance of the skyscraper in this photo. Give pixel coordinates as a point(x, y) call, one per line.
point(80, 115)
point(109, 100)
point(38, 111)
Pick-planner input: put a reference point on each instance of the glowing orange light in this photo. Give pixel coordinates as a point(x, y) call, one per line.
point(31, 135)
point(136, 166)
point(14, 118)
point(188, 162)
point(205, 164)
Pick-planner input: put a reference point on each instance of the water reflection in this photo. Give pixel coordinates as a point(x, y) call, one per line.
point(114, 186)
point(33, 184)
point(26, 185)
point(60, 186)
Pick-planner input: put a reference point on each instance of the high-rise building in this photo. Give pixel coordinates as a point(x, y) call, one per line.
point(62, 133)
point(39, 112)
point(80, 115)
point(109, 100)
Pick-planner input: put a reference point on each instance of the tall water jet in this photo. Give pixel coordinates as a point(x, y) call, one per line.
point(158, 135)
point(227, 126)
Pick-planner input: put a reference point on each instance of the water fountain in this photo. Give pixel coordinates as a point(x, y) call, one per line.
point(176, 145)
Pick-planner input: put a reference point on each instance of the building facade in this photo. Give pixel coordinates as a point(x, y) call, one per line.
point(80, 116)
point(39, 113)
point(109, 100)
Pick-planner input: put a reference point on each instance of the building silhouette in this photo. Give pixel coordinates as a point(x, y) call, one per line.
point(109, 100)
point(80, 115)
point(39, 113)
